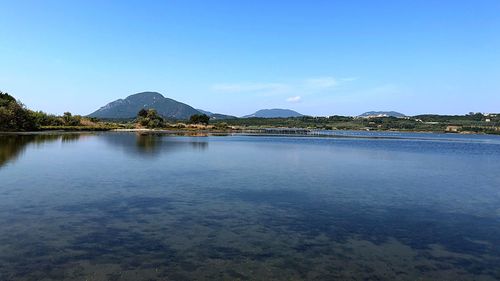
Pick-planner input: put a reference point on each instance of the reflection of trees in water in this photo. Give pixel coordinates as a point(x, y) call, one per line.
point(144, 144)
point(152, 144)
point(200, 145)
point(71, 137)
point(11, 146)
point(147, 142)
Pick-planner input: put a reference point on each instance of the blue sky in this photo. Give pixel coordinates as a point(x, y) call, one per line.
point(317, 57)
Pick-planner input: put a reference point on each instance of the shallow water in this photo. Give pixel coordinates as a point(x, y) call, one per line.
point(369, 206)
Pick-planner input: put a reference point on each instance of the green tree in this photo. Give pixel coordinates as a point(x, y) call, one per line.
point(150, 119)
point(142, 113)
point(44, 119)
point(199, 119)
point(67, 117)
point(6, 99)
point(70, 120)
point(14, 116)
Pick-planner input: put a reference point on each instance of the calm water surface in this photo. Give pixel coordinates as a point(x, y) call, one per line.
point(355, 206)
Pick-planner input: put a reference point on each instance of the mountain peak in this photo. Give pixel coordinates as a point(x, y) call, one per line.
point(371, 114)
point(129, 107)
point(274, 113)
point(146, 95)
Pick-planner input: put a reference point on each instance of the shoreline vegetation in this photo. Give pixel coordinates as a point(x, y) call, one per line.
point(15, 117)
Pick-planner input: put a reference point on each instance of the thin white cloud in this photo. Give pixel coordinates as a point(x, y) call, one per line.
point(294, 99)
point(349, 79)
point(321, 82)
point(299, 87)
point(251, 87)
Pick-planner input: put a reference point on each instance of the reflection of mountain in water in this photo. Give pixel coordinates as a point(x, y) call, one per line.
point(11, 146)
point(153, 144)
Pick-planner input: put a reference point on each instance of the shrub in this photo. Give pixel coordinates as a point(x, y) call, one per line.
point(150, 119)
point(199, 119)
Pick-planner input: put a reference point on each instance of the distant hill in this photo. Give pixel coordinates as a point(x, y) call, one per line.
point(216, 116)
point(130, 106)
point(205, 112)
point(274, 113)
point(382, 114)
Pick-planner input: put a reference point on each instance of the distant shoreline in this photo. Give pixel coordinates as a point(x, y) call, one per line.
point(263, 131)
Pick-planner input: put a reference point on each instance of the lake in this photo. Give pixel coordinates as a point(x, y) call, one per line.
point(348, 206)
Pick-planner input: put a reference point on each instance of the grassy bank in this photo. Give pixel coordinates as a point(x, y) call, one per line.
point(80, 128)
